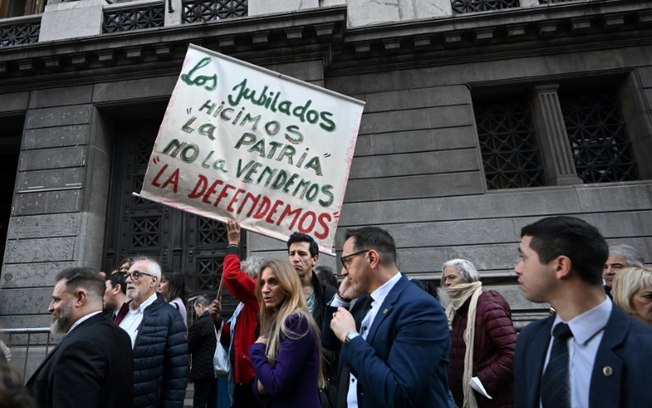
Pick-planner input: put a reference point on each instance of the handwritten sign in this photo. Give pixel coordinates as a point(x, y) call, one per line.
point(243, 142)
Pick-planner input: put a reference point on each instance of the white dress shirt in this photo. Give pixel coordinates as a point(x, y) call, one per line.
point(378, 297)
point(587, 329)
point(134, 317)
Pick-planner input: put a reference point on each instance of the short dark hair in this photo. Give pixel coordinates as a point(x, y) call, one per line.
point(83, 277)
point(176, 285)
point(118, 278)
point(374, 238)
point(326, 276)
point(574, 238)
point(299, 237)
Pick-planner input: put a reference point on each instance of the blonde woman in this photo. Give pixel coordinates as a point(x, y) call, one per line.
point(632, 291)
point(287, 355)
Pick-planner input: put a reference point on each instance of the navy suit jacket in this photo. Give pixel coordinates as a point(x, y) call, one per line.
point(90, 367)
point(621, 372)
point(404, 360)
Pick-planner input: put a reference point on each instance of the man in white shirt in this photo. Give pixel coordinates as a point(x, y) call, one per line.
point(158, 337)
point(590, 354)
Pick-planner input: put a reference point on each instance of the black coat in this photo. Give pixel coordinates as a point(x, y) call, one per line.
point(90, 367)
point(201, 343)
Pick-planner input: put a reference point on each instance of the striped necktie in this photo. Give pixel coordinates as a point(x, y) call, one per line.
point(555, 384)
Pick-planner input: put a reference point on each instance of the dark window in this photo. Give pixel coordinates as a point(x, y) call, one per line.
point(598, 136)
point(136, 18)
point(17, 8)
point(508, 143)
point(470, 6)
point(196, 11)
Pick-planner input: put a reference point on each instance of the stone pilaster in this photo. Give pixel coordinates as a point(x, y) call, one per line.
point(552, 137)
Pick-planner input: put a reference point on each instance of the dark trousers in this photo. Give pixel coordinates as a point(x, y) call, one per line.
point(205, 394)
point(243, 397)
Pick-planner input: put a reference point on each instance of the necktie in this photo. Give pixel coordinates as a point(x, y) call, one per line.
point(555, 384)
point(361, 313)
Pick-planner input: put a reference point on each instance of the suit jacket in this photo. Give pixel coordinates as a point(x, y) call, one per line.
point(404, 360)
point(621, 372)
point(90, 367)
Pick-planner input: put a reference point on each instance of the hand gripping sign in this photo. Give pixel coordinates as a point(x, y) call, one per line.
point(242, 142)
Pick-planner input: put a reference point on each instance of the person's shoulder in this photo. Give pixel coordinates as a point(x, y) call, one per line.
point(297, 321)
point(411, 293)
point(534, 327)
point(491, 299)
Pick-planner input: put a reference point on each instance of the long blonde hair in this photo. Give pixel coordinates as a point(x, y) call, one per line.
point(272, 321)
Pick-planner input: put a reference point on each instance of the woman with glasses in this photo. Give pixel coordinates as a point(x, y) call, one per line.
point(287, 355)
point(173, 289)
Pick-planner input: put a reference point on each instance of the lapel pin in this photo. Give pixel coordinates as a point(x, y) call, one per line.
point(607, 370)
point(385, 311)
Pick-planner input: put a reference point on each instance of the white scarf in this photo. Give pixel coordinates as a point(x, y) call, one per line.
point(459, 294)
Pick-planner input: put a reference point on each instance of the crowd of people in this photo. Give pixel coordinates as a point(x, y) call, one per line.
point(301, 338)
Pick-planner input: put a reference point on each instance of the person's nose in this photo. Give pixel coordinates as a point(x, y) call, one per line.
point(51, 308)
point(518, 269)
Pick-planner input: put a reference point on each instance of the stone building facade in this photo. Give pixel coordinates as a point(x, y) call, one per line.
point(481, 116)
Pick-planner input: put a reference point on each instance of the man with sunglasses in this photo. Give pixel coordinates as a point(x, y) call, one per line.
point(158, 338)
point(91, 366)
point(394, 342)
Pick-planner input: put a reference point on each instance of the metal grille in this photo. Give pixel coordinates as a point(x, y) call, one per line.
point(196, 11)
point(133, 19)
point(209, 273)
point(211, 232)
point(598, 137)
point(472, 6)
point(507, 141)
point(145, 232)
point(16, 34)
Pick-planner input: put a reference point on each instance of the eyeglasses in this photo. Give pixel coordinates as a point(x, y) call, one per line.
point(346, 260)
point(135, 275)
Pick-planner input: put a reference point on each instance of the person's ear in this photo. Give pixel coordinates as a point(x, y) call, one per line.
point(374, 257)
point(80, 297)
point(563, 266)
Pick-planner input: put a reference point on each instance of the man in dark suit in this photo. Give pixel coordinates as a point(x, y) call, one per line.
point(605, 357)
point(91, 366)
point(397, 355)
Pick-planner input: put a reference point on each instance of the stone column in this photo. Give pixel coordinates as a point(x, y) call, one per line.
point(552, 137)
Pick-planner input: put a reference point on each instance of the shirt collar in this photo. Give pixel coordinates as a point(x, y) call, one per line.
point(83, 319)
point(143, 306)
point(381, 293)
point(589, 323)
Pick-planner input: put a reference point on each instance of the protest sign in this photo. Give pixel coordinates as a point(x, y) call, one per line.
point(243, 142)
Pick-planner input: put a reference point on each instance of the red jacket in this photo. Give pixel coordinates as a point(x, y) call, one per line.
point(493, 356)
point(242, 287)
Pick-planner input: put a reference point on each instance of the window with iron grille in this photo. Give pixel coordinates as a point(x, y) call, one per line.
point(598, 136)
point(196, 11)
point(472, 6)
point(136, 18)
point(596, 132)
point(508, 143)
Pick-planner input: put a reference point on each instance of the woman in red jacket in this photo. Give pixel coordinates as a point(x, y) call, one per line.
point(482, 340)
